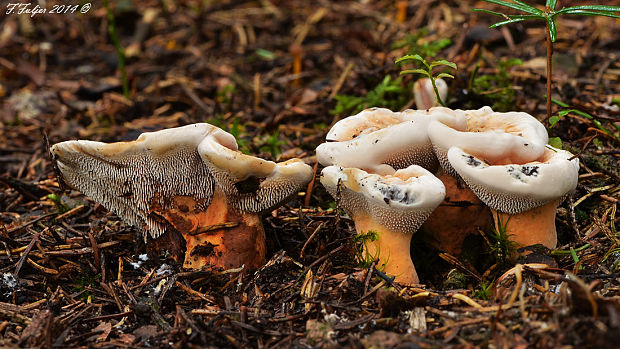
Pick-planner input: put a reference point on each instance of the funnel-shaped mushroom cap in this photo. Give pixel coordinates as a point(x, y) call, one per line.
point(133, 178)
point(498, 138)
point(252, 184)
point(378, 136)
point(515, 188)
point(400, 201)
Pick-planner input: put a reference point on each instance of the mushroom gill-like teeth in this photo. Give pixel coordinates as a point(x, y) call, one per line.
point(400, 201)
point(498, 138)
point(398, 145)
point(288, 178)
point(515, 188)
point(251, 184)
point(130, 178)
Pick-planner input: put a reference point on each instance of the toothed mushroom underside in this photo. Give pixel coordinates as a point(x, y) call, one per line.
point(189, 180)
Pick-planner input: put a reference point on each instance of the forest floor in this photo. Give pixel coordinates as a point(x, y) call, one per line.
point(277, 74)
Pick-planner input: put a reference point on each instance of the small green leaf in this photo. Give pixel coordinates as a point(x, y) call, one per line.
point(415, 71)
point(266, 55)
point(565, 112)
point(445, 75)
point(443, 62)
point(521, 6)
point(588, 13)
point(591, 8)
point(560, 103)
point(551, 4)
point(581, 113)
point(499, 24)
point(410, 57)
point(554, 120)
point(555, 142)
point(551, 28)
point(489, 12)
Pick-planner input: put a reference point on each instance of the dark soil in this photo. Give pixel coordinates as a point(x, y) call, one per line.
point(75, 275)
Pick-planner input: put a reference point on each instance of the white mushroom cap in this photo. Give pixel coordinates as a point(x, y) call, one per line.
point(516, 188)
point(497, 138)
point(400, 201)
point(378, 136)
point(424, 94)
point(133, 178)
point(366, 121)
point(254, 184)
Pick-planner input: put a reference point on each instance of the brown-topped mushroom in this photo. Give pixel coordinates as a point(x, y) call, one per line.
point(392, 205)
point(189, 180)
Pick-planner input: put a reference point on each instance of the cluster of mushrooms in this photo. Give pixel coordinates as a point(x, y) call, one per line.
point(390, 171)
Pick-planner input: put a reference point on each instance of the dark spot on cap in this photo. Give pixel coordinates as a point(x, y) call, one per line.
point(387, 201)
point(529, 170)
point(472, 161)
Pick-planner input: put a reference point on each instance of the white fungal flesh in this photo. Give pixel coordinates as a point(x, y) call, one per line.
point(501, 138)
point(366, 121)
point(131, 178)
point(400, 201)
point(515, 188)
point(378, 136)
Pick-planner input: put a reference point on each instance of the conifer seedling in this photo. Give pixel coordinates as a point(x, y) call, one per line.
point(549, 15)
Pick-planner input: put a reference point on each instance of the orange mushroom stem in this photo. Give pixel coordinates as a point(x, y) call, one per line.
point(392, 249)
point(459, 215)
point(531, 227)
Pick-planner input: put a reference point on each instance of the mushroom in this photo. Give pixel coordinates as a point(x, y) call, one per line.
point(377, 137)
point(188, 180)
point(523, 196)
point(459, 215)
point(499, 138)
point(392, 205)
point(424, 94)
